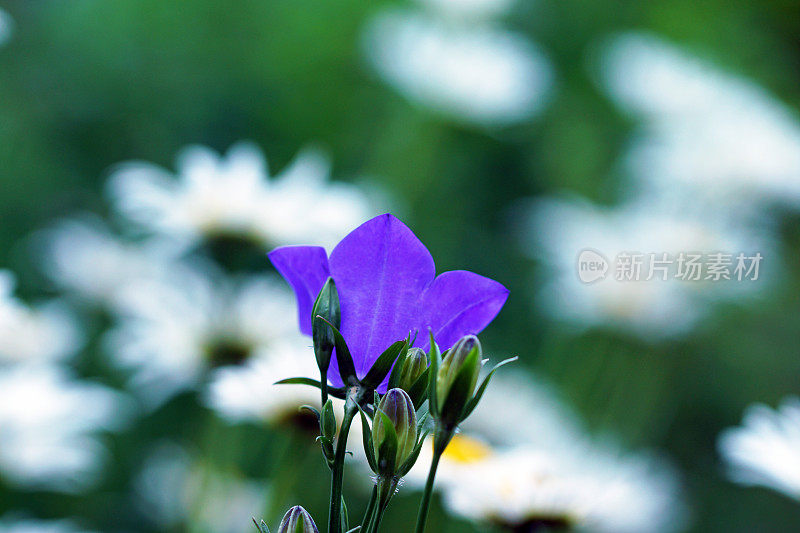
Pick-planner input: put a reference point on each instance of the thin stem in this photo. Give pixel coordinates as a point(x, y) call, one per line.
point(386, 489)
point(373, 499)
point(440, 441)
point(323, 386)
point(334, 514)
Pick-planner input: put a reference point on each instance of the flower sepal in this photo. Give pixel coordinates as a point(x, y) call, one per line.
point(365, 387)
point(410, 373)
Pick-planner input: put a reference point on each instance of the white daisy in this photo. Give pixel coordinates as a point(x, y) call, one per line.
point(596, 491)
point(480, 74)
point(176, 488)
point(10, 524)
point(558, 230)
point(88, 259)
point(232, 196)
point(6, 27)
point(547, 471)
point(715, 134)
point(765, 449)
point(34, 334)
point(172, 330)
point(469, 9)
point(48, 423)
point(248, 392)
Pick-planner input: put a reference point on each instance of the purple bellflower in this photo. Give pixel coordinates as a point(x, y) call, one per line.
point(388, 289)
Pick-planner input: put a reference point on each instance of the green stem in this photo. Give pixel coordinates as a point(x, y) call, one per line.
point(323, 385)
point(386, 489)
point(334, 515)
point(440, 441)
point(367, 522)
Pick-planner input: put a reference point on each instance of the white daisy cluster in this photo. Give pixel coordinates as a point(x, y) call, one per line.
point(49, 419)
point(448, 55)
point(178, 310)
point(765, 449)
point(654, 308)
point(176, 487)
point(547, 471)
point(233, 196)
point(705, 132)
point(711, 152)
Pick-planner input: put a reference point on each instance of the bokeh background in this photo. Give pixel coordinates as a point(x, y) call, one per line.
point(507, 135)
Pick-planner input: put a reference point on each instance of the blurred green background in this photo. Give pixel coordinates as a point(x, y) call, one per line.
point(89, 83)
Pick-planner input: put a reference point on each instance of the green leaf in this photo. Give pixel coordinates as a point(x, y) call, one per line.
point(383, 364)
point(347, 370)
point(369, 449)
point(345, 518)
point(473, 403)
point(337, 392)
point(435, 357)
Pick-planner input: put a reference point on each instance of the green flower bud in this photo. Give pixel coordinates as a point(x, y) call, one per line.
point(414, 365)
point(326, 306)
point(297, 520)
point(399, 440)
point(328, 420)
point(457, 378)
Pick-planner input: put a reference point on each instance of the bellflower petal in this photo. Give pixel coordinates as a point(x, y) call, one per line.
point(388, 289)
point(460, 303)
point(381, 268)
point(306, 270)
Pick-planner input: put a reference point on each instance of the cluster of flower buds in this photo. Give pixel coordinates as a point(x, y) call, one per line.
point(296, 520)
point(393, 433)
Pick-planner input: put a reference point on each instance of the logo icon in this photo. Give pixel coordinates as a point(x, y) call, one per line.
point(592, 266)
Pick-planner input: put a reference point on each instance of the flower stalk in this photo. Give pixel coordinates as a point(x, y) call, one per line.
point(337, 468)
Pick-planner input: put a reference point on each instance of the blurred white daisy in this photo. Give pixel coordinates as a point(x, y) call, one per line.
point(34, 334)
point(177, 489)
point(48, 427)
point(480, 74)
point(765, 449)
point(10, 524)
point(548, 471)
point(86, 258)
point(233, 197)
point(715, 134)
point(172, 330)
point(468, 9)
point(595, 490)
point(6, 27)
point(248, 393)
point(557, 231)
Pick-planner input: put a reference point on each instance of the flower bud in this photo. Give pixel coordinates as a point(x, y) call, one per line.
point(297, 520)
point(328, 421)
point(414, 365)
point(398, 440)
point(457, 377)
point(326, 306)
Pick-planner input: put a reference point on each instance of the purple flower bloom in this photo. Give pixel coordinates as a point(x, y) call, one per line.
point(388, 289)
